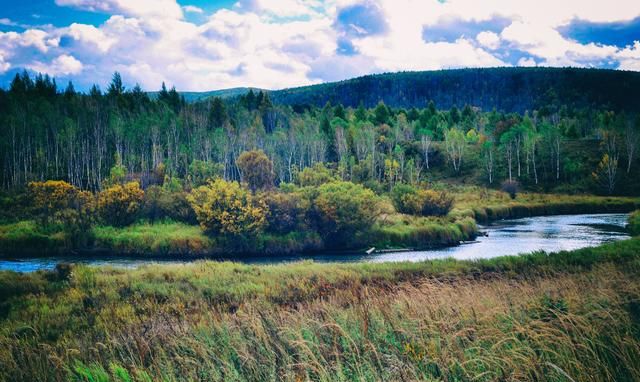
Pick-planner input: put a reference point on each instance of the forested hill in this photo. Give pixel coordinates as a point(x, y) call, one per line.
point(199, 96)
point(505, 89)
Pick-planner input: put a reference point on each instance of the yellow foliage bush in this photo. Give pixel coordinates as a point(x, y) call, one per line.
point(226, 208)
point(413, 201)
point(58, 202)
point(119, 205)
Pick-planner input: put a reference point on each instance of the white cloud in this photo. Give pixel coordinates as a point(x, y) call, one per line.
point(92, 35)
point(630, 57)
point(547, 43)
point(61, 65)
point(488, 39)
point(282, 43)
point(4, 66)
point(37, 39)
point(544, 12)
point(156, 8)
point(192, 9)
point(7, 22)
point(280, 8)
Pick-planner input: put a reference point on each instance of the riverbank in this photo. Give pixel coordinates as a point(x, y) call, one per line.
point(172, 239)
point(486, 206)
point(391, 230)
point(553, 315)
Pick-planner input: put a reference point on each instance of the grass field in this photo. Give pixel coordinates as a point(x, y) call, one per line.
point(570, 316)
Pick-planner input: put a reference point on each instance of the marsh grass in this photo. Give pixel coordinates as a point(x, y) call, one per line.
point(420, 232)
point(540, 317)
point(156, 238)
point(487, 205)
point(30, 235)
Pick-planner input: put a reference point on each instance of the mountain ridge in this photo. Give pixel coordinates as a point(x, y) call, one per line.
point(508, 89)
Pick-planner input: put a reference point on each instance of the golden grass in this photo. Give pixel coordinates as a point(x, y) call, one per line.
point(562, 317)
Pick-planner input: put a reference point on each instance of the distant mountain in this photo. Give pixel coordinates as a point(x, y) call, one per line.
point(198, 96)
point(505, 89)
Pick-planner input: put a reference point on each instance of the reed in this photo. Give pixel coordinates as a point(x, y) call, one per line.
point(539, 317)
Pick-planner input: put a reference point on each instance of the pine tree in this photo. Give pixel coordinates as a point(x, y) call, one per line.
point(116, 88)
point(218, 113)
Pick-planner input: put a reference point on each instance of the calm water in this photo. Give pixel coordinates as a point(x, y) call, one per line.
point(507, 237)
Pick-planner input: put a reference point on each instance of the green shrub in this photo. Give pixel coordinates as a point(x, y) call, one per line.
point(408, 200)
point(344, 209)
point(315, 176)
point(200, 172)
point(159, 204)
point(398, 195)
point(285, 212)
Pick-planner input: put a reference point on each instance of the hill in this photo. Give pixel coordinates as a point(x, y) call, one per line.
point(222, 93)
point(505, 89)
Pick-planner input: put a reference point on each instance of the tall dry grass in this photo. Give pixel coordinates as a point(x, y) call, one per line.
point(575, 321)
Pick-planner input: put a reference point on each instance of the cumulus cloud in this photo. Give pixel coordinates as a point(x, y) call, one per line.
point(630, 57)
point(280, 8)
point(91, 35)
point(282, 43)
point(488, 39)
point(4, 66)
point(156, 8)
point(548, 44)
point(192, 9)
point(61, 65)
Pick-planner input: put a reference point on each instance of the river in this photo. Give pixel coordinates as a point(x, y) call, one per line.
point(504, 238)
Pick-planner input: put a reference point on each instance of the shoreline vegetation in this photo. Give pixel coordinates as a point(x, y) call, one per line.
point(558, 316)
point(391, 230)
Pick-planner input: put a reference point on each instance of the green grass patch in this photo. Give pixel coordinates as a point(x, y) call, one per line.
point(160, 238)
point(404, 231)
point(30, 237)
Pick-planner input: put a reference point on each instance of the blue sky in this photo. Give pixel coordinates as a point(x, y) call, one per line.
point(204, 45)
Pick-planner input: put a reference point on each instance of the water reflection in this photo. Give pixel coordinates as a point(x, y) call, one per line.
point(507, 237)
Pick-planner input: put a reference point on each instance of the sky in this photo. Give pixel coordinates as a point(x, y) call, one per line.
point(198, 45)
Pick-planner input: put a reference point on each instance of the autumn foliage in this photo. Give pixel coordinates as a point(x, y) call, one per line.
point(225, 208)
point(421, 202)
point(256, 169)
point(119, 205)
point(58, 202)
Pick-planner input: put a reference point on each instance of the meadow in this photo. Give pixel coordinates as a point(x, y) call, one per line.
point(569, 316)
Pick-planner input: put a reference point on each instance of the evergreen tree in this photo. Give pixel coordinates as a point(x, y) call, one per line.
point(116, 88)
point(217, 114)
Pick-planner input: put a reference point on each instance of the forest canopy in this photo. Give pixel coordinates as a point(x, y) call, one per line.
point(574, 140)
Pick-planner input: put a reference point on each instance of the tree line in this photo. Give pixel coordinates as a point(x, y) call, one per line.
point(83, 138)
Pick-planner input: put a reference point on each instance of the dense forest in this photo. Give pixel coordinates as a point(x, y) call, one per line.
point(504, 89)
point(51, 133)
